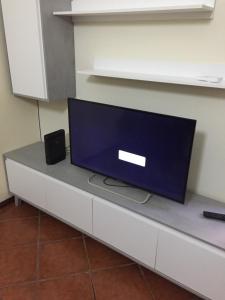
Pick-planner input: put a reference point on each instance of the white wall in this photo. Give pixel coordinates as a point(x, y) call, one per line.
point(53, 116)
point(18, 117)
point(188, 41)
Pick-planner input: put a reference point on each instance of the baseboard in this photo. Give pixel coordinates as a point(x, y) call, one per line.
point(5, 197)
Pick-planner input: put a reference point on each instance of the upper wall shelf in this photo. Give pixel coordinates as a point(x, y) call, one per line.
point(159, 8)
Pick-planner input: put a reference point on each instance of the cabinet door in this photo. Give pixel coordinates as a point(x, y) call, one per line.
point(70, 204)
point(192, 263)
point(25, 47)
point(26, 183)
point(126, 231)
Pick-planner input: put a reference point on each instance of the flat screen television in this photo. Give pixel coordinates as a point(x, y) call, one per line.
point(148, 150)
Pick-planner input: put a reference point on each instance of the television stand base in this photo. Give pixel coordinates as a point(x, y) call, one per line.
point(120, 188)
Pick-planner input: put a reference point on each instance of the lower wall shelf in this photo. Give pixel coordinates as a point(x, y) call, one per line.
point(158, 8)
point(142, 10)
point(201, 75)
point(205, 81)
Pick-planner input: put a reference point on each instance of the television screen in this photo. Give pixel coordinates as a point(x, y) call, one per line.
point(149, 150)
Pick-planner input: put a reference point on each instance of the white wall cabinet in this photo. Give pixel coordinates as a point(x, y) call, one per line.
point(70, 204)
point(191, 263)
point(26, 183)
point(126, 231)
point(40, 49)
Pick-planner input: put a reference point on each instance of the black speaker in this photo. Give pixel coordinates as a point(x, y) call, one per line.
point(55, 147)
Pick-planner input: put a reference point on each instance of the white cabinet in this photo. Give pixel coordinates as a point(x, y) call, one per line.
point(26, 183)
point(188, 261)
point(40, 49)
point(126, 231)
point(70, 204)
point(62, 200)
point(192, 263)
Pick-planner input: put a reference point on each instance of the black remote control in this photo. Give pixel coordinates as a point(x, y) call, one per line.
point(213, 215)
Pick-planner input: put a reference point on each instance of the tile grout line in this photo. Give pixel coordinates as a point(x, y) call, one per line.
point(26, 244)
point(11, 202)
point(89, 266)
point(17, 284)
point(60, 240)
point(24, 283)
point(38, 248)
point(89, 271)
point(145, 282)
point(113, 267)
point(63, 276)
point(18, 218)
point(40, 242)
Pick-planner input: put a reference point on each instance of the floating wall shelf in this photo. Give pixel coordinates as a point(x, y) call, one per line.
point(150, 10)
point(142, 7)
point(173, 73)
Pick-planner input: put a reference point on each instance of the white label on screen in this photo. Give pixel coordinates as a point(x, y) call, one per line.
point(132, 158)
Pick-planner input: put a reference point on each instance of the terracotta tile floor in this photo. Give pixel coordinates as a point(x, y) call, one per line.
point(43, 259)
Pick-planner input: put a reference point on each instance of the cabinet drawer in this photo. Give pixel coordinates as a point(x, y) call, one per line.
point(70, 204)
point(126, 231)
point(26, 183)
point(192, 263)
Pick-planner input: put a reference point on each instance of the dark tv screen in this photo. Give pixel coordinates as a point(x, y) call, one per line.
point(148, 150)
